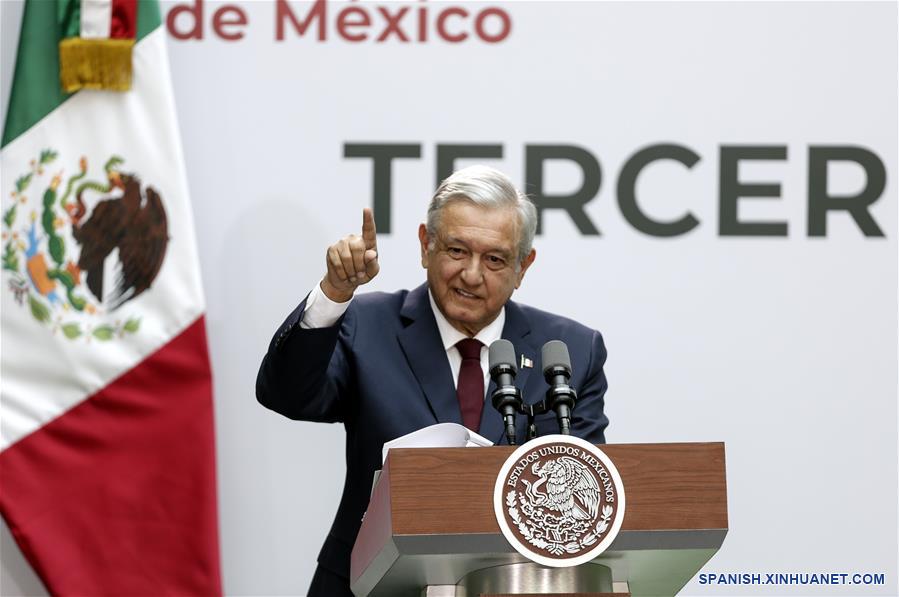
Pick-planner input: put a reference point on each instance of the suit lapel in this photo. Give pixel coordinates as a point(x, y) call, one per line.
point(421, 343)
point(516, 330)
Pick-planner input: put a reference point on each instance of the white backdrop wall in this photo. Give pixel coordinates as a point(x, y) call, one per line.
point(784, 347)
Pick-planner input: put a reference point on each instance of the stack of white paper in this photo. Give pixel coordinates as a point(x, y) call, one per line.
point(441, 435)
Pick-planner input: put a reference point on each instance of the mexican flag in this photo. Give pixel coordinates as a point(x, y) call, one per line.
point(107, 455)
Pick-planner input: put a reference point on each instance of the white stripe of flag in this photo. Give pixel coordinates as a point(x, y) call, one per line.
point(96, 19)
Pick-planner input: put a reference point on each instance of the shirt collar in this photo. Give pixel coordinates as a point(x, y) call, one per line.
point(450, 335)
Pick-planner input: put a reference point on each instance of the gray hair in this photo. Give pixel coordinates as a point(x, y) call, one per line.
point(490, 188)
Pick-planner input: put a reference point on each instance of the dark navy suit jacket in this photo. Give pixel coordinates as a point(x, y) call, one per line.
point(383, 372)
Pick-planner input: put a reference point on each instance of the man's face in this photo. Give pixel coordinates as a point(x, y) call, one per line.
point(473, 265)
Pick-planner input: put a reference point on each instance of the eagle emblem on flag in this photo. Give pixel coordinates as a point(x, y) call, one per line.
point(76, 250)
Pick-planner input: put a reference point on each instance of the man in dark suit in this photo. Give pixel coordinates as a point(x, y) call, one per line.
point(388, 364)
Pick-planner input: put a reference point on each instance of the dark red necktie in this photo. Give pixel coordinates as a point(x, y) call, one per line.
point(470, 389)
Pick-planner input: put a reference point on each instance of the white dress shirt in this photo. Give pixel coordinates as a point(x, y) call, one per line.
point(322, 312)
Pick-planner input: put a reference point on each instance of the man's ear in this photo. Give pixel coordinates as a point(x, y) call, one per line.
point(423, 239)
point(525, 265)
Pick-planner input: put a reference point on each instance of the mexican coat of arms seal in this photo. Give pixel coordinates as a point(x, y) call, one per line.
point(559, 501)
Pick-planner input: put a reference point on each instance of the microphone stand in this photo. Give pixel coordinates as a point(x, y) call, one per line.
point(531, 411)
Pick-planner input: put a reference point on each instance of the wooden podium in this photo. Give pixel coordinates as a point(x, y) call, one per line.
point(431, 521)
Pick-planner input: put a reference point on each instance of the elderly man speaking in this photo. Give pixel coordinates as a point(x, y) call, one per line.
point(386, 364)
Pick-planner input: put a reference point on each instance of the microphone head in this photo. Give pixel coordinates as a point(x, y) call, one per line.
point(555, 355)
point(502, 354)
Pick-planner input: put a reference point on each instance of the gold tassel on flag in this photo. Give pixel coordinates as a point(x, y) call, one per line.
point(97, 38)
point(95, 64)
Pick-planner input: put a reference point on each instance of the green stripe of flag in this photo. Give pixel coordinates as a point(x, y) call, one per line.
point(69, 18)
point(35, 88)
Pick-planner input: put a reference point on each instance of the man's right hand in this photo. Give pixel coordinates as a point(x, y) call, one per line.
point(352, 262)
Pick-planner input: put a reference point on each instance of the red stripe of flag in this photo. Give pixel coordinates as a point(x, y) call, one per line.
point(124, 19)
point(118, 495)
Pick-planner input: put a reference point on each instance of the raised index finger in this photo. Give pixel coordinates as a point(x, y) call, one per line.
point(369, 234)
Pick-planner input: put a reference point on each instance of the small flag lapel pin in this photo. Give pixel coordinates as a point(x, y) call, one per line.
point(526, 363)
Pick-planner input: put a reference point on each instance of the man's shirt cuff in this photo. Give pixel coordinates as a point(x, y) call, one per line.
point(321, 312)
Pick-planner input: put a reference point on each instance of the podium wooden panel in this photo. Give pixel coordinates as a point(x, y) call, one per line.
point(431, 518)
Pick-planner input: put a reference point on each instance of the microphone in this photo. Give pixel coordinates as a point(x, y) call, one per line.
point(506, 398)
point(560, 397)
